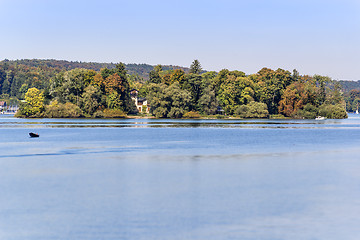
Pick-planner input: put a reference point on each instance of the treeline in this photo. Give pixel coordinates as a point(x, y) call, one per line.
point(81, 93)
point(171, 93)
point(352, 99)
point(347, 85)
point(352, 95)
point(175, 93)
point(22, 67)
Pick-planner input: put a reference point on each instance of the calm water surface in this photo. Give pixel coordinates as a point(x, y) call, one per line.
point(179, 179)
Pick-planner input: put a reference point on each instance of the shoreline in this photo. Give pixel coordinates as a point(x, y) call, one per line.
point(215, 117)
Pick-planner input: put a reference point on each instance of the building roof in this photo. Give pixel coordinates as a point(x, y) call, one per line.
point(141, 99)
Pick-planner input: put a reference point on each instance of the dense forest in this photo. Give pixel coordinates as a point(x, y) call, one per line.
point(52, 88)
point(351, 91)
point(139, 70)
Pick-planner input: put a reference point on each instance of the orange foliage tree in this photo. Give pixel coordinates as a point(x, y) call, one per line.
point(296, 96)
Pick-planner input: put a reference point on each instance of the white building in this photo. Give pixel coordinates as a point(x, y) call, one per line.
point(141, 103)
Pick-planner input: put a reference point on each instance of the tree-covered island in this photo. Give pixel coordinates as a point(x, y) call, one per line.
point(56, 89)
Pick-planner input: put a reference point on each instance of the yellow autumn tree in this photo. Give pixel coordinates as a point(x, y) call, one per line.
point(33, 105)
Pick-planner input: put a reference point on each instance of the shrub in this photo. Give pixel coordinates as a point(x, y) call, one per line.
point(72, 111)
point(53, 110)
point(144, 109)
point(332, 111)
point(277, 116)
point(191, 114)
point(308, 112)
point(252, 110)
point(176, 112)
point(24, 110)
point(98, 114)
point(114, 113)
point(59, 110)
point(242, 111)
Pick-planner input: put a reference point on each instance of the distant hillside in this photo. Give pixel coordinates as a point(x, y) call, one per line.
point(142, 70)
point(347, 85)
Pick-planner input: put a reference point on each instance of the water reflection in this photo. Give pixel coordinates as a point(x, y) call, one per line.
point(10, 122)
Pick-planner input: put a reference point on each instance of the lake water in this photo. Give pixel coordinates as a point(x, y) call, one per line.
point(179, 179)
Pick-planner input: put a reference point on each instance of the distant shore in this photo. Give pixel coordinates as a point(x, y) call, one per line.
point(7, 113)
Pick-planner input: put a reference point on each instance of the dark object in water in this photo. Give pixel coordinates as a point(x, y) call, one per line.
point(34, 135)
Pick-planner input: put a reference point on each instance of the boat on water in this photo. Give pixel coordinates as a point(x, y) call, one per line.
point(34, 135)
point(320, 118)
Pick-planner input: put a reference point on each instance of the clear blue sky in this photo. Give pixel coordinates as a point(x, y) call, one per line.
point(315, 37)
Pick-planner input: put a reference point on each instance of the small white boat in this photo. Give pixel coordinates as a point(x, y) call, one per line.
point(320, 118)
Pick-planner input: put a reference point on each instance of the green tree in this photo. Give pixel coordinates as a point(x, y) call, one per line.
point(113, 101)
point(154, 75)
point(70, 85)
point(195, 67)
point(322, 82)
point(193, 83)
point(352, 104)
point(105, 72)
point(270, 85)
point(332, 111)
point(23, 89)
point(309, 111)
point(352, 100)
point(334, 94)
point(168, 101)
point(124, 90)
point(59, 110)
point(208, 103)
point(178, 75)
point(219, 80)
point(235, 91)
point(355, 105)
point(6, 86)
point(180, 101)
point(91, 99)
point(208, 78)
point(252, 110)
